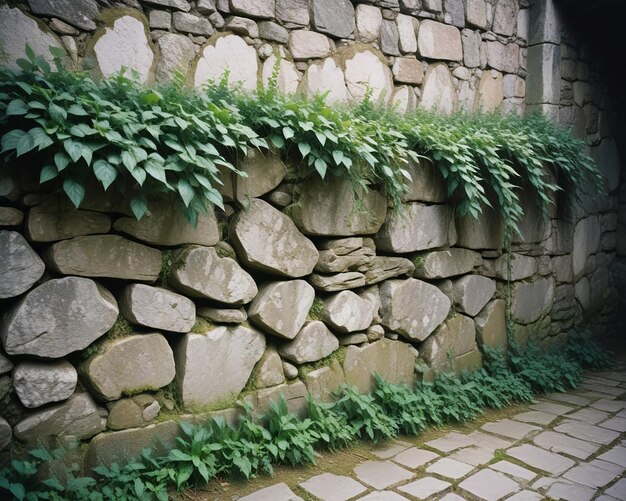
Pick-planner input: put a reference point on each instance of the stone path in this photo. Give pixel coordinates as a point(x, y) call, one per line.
point(568, 446)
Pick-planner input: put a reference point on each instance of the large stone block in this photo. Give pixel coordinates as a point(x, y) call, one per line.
point(490, 92)
point(427, 183)
point(287, 82)
point(267, 240)
point(521, 267)
point(469, 293)
point(454, 338)
point(389, 38)
point(491, 325)
point(446, 263)
point(265, 171)
point(78, 417)
point(10, 216)
point(254, 8)
point(230, 54)
point(324, 383)
point(293, 11)
point(439, 41)
point(586, 242)
point(545, 23)
point(281, 308)
point(408, 70)
point(412, 308)
point(312, 343)
point(20, 266)
point(294, 394)
point(58, 317)
point(347, 312)
point(476, 13)
point(6, 434)
point(486, 232)
point(110, 256)
point(438, 93)
point(543, 81)
point(39, 383)
point(132, 412)
point(369, 20)
point(165, 224)
point(213, 367)
point(406, 34)
point(269, 371)
point(417, 227)
point(368, 75)
point(607, 159)
point(382, 268)
point(329, 208)
point(345, 254)
point(157, 308)
point(505, 17)
point(529, 301)
point(394, 361)
point(176, 54)
point(334, 17)
point(201, 272)
point(304, 44)
point(126, 365)
point(79, 13)
point(326, 77)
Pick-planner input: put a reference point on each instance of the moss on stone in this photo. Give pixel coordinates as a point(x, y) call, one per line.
point(339, 355)
point(202, 326)
point(121, 328)
point(317, 309)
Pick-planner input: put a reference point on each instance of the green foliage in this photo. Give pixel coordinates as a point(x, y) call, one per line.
point(403, 405)
point(330, 426)
point(292, 438)
point(169, 139)
point(587, 351)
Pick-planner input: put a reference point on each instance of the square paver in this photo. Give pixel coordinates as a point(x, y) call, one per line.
point(536, 417)
point(570, 491)
point(616, 455)
point(329, 487)
point(568, 398)
point(391, 449)
point(552, 408)
point(489, 485)
point(525, 495)
point(600, 380)
point(474, 455)
point(617, 490)
point(587, 432)
point(383, 496)
point(594, 474)
point(450, 468)
point(414, 457)
point(541, 459)
point(603, 388)
point(488, 441)
point(557, 442)
point(513, 470)
point(424, 487)
point(451, 496)
point(615, 424)
point(509, 428)
point(381, 474)
point(609, 405)
point(278, 492)
point(450, 442)
point(588, 415)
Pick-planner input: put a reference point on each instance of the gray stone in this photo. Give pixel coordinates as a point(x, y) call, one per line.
point(414, 457)
point(254, 8)
point(476, 11)
point(77, 417)
point(269, 370)
point(173, 4)
point(368, 23)
point(505, 17)
point(446, 263)
point(408, 70)
point(486, 232)
point(267, 240)
point(417, 227)
point(265, 171)
point(510, 429)
point(177, 52)
point(79, 13)
point(588, 432)
point(201, 272)
point(338, 281)
point(586, 242)
point(531, 300)
point(161, 20)
point(455, 12)
point(346, 254)
point(326, 382)
point(214, 366)
point(5, 433)
point(438, 92)
point(489, 485)
point(455, 337)
point(20, 266)
point(469, 293)
point(439, 41)
point(157, 308)
point(206, 7)
point(228, 53)
point(389, 38)
point(330, 209)
point(433, 5)
point(521, 267)
point(123, 366)
point(332, 487)
point(10, 216)
point(17, 30)
point(39, 383)
point(242, 26)
point(540, 459)
point(357, 338)
point(294, 394)
point(281, 308)
point(57, 220)
point(190, 23)
point(427, 183)
point(346, 312)
point(62, 28)
point(557, 442)
point(124, 45)
point(274, 32)
point(5, 364)
point(293, 11)
point(491, 325)
point(277, 492)
point(412, 308)
point(165, 224)
point(372, 296)
point(381, 474)
point(132, 412)
point(58, 317)
point(382, 268)
point(489, 95)
point(546, 23)
point(223, 315)
point(291, 371)
point(426, 487)
point(367, 74)
point(312, 343)
point(471, 48)
point(334, 17)
point(304, 44)
point(543, 83)
point(406, 32)
point(450, 468)
point(110, 256)
point(502, 57)
point(326, 77)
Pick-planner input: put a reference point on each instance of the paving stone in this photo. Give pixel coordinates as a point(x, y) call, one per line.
point(557, 442)
point(587, 432)
point(536, 417)
point(425, 487)
point(540, 459)
point(381, 474)
point(600, 380)
point(609, 405)
point(451, 496)
point(489, 485)
point(617, 490)
point(383, 496)
point(450, 442)
point(615, 455)
point(570, 491)
point(589, 416)
point(329, 487)
point(476, 456)
point(557, 409)
point(595, 474)
point(568, 398)
point(508, 428)
point(414, 457)
point(604, 497)
point(450, 468)
point(513, 470)
point(525, 495)
point(278, 492)
point(602, 388)
point(616, 424)
point(488, 441)
point(390, 450)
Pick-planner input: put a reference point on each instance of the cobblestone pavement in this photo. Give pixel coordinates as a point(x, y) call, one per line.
point(568, 446)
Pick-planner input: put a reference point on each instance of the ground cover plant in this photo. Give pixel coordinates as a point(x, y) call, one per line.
point(216, 449)
point(149, 140)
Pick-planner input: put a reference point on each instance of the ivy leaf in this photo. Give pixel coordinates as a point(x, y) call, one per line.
point(320, 167)
point(74, 190)
point(288, 132)
point(10, 139)
point(105, 173)
point(186, 191)
point(139, 206)
point(73, 149)
point(61, 160)
point(24, 145)
point(305, 149)
point(41, 138)
point(57, 113)
point(16, 107)
point(337, 156)
point(47, 173)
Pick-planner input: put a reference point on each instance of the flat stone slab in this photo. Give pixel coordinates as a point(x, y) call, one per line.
point(609, 405)
point(391, 450)
point(450, 468)
point(588, 415)
point(450, 442)
point(569, 491)
point(536, 417)
point(424, 487)
point(509, 428)
point(381, 474)
point(383, 496)
point(476, 456)
point(329, 487)
point(525, 495)
point(278, 492)
point(487, 441)
point(617, 490)
point(513, 470)
point(595, 474)
point(540, 459)
point(489, 485)
point(587, 432)
point(557, 442)
point(615, 424)
point(568, 398)
point(414, 457)
point(557, 409)
point(615, 455)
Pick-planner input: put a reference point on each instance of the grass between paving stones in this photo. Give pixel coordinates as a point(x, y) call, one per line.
point(216, 450)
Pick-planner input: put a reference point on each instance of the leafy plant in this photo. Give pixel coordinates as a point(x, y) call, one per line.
point(404, 406)
point(330, 426)
point(586, 350)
